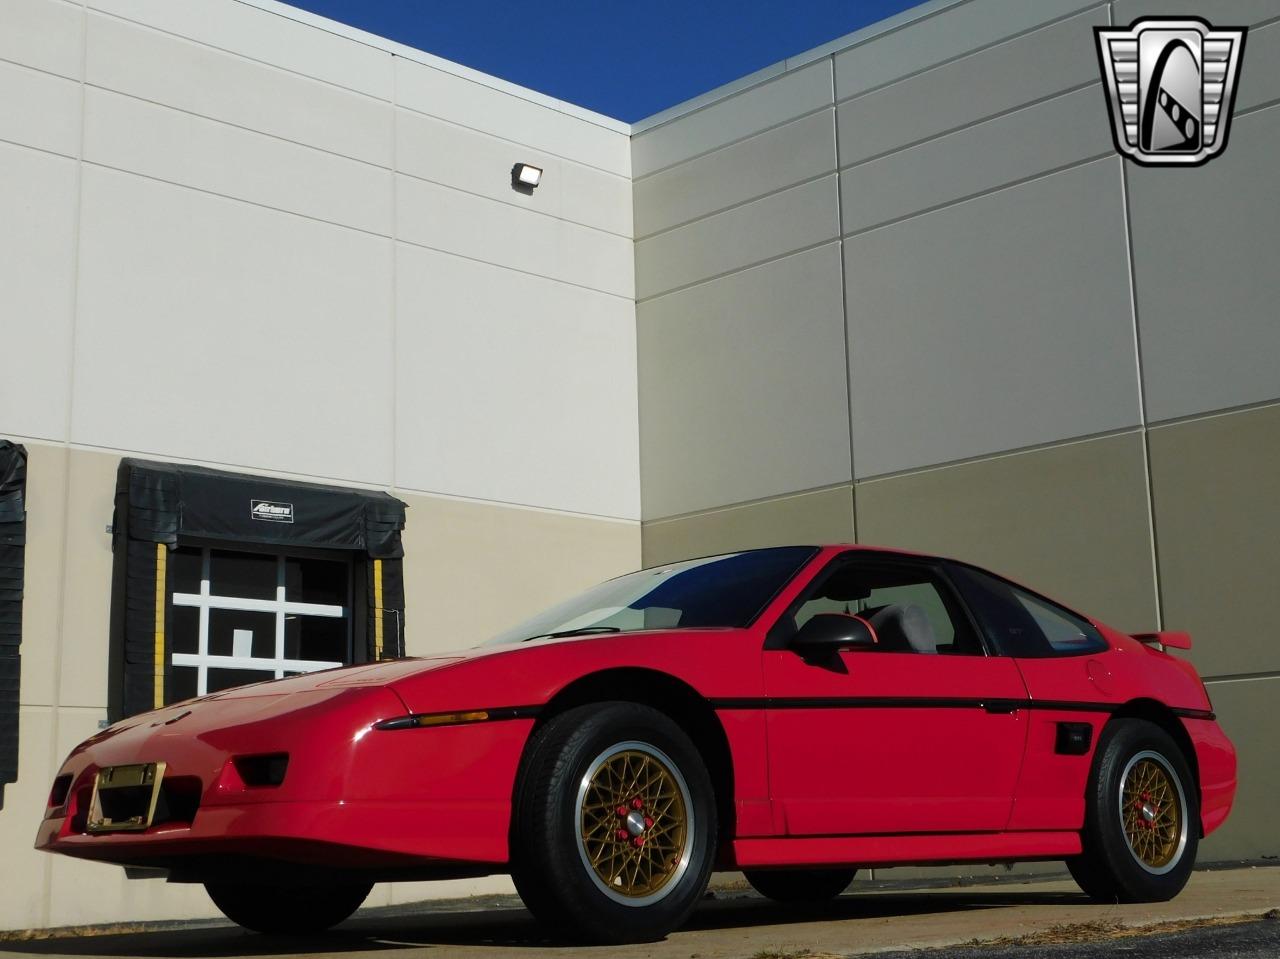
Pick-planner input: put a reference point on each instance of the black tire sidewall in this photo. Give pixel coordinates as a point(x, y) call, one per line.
point(1107, 851)
point(549, 871)
point(800, 885)
point(284, 910)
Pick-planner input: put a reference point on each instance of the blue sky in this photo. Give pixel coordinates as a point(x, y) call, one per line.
point(626, 60)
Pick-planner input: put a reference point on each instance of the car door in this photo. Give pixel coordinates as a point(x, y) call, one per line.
point(891, 739)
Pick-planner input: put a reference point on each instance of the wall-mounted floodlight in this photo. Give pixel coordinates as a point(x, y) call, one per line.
point(525, 176)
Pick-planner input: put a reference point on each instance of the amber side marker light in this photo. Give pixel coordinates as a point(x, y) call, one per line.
point(433, 719)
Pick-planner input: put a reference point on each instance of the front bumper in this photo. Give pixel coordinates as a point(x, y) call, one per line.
point(353, 797)
point(336, 835)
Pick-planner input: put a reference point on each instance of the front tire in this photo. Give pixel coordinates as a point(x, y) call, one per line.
point(287, 910)
point(1142, 818)
point(794, 886)
point(614, 828)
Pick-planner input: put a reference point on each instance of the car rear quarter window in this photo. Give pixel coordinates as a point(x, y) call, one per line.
point(1020, 623)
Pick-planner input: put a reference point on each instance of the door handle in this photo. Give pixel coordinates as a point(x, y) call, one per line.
point(1001, 706)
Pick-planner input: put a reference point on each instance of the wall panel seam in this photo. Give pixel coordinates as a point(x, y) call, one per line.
point(1257, 108)
point(1131, 430)
point(230, 197)
point(746, 503)
point(372, 98)
point(739, 204)
point(808, 248)
point(981, 194)
point(514, 206)
point(732, 95)
point(323, 478)
point(1243, 677)
point(951, 131)
point(844, 313)
point(63, 586)
point(730, 143)
point(1157, 425)
point(1142, 393)
point(274, 67)
point(74, 158)
point(31, 68)
point(240, 126)
point(515, 269)
point(1008, 38)
point(394, 299)
point(519, 143)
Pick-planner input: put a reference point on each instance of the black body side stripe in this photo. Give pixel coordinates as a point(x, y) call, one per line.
point(928, 702)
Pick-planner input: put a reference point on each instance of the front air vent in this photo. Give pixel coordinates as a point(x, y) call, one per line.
point(264, 771)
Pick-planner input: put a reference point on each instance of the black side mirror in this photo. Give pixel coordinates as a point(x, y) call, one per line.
point(825, 634)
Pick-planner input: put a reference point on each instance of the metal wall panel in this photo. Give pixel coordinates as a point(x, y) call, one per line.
point(951, 33)
point(1070, 521)
point(764, 229)
point(129, 134)
point(763, 164)
point(39, 110)
point(284, 343)
point(266, 36)
point(1246, 711)
point(456, 551)
point(45, 34)
point(1214, 485)
point(514, 388)
point(1204, 249)
point(820, 516)
point(994, 324)
point(494, 232)
point(734, 118)
point(983, 84)
point(741, 386)
point(470, 104)
point(977, 159)
point(37, 283)
point(188, 76)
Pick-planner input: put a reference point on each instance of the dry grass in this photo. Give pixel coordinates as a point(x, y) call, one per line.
point(1104, 930)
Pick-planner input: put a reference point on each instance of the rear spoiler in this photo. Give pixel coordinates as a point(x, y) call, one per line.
point(1165, 640)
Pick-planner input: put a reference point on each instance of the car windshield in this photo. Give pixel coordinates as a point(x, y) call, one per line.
point(726, 591)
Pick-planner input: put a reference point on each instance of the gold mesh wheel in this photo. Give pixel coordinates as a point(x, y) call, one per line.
point(1152, 812)
point(635, 825)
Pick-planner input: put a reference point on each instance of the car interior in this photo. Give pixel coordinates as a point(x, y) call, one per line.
point(908, 610)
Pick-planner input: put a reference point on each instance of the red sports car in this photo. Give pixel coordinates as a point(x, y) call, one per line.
point(794, 713)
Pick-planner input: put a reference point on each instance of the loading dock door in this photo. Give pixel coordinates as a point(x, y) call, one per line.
point(223, 579)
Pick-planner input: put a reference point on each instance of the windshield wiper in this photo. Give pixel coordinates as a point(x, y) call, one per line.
point(580, 631)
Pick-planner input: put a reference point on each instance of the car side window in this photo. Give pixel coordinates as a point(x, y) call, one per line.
point(1022, 624)
point(908, 606)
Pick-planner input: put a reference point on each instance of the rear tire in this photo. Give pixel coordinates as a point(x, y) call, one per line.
point(1142, 818)
point(800, 885)
point(593, 781)
point(287, 910)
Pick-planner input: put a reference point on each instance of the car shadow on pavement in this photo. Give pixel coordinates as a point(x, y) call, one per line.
point(403, 927)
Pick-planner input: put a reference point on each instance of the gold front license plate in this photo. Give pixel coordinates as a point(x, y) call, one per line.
point(125, 797)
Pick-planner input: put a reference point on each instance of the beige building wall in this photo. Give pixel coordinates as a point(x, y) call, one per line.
point(1056, 364)
point(872, 293)
point(242, 236)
